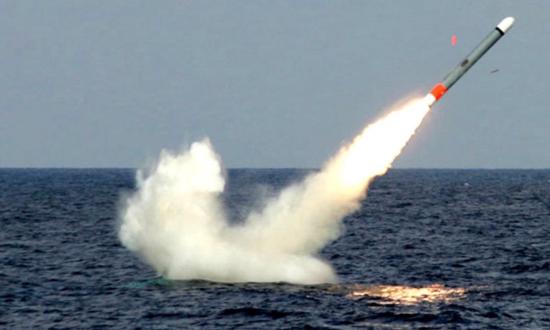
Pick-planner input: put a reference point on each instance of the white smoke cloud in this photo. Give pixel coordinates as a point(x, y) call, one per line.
point(175, 219)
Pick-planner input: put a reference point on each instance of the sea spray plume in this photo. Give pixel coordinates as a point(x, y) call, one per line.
point(176, 210)
point(175, 220)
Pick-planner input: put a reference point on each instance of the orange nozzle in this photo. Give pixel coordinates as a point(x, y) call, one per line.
point(438, 91)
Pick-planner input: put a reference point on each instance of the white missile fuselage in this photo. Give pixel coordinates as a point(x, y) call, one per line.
point(452, 77)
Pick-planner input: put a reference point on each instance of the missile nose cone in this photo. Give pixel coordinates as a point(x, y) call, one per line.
point(506, 24)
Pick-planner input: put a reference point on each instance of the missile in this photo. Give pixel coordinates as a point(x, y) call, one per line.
point(452, 77)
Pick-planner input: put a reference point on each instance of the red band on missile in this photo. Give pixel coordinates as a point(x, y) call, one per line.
point(438, 91)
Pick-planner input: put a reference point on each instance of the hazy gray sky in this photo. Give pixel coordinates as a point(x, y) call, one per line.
point(272, 83)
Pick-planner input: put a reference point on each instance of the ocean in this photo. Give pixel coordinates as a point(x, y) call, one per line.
point(430, 249)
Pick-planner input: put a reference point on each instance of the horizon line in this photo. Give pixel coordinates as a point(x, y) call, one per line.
point(262, 168)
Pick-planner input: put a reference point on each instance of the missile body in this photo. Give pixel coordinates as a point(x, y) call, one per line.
point(452, 77)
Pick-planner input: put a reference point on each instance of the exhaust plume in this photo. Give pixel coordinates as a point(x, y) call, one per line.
point(176, 222)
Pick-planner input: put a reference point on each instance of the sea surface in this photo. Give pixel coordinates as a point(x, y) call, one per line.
point(482, 235)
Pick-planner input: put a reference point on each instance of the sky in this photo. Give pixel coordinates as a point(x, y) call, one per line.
point(272, 83)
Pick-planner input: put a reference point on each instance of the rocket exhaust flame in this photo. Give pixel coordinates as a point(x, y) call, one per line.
point(175, 219)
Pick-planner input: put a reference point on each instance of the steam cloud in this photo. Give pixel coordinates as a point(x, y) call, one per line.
point(175, 220)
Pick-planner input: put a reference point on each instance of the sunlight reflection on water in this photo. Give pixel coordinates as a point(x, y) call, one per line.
point(406, 295)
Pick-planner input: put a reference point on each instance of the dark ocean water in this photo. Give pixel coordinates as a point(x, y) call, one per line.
point(487, 232)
